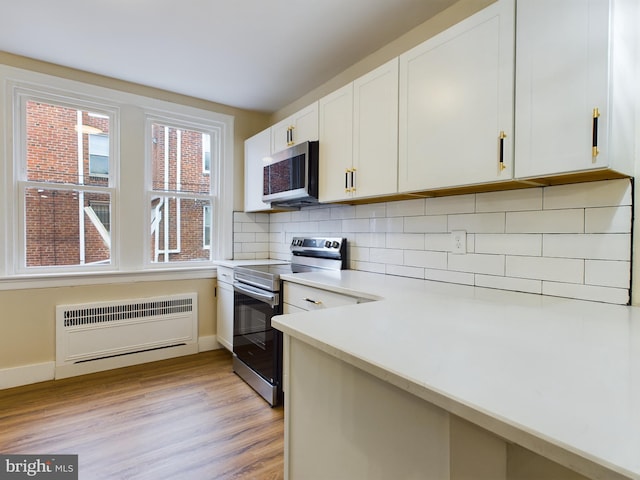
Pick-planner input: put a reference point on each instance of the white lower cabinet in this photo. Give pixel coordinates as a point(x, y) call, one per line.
point(224, 309)
point(303, 298)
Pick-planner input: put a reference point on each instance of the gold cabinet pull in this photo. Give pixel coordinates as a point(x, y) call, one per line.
point(501, 164)
point(594, 133)
point(290, 140)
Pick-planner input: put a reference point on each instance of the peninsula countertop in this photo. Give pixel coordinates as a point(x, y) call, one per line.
point(560, 377)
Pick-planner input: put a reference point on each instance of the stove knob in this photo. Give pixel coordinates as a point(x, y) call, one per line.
point(327, 244)
point(335, 244)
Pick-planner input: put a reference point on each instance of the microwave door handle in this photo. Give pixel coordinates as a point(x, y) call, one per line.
point(270, 298)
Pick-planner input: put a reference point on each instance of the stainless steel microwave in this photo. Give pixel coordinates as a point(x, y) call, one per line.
point(290, 177)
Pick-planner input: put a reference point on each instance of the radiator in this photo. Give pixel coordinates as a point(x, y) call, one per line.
point(102, 335)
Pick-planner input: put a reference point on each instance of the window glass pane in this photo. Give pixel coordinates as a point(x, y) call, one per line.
point(59, 144)
point(206, 153)
point(63, 230)
point(98, 155)
point(176, 226)
point(206, 225)
point(177, 156)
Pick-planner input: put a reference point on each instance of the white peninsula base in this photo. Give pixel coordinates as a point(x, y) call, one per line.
point(344, 423)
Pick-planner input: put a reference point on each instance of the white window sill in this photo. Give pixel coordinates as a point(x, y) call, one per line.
point(25, 282)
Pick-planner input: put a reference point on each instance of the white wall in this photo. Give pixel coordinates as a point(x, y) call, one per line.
point(570, 240)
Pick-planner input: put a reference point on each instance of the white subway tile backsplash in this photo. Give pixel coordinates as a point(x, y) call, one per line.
point(614, 246)
point(441, 242)
point(611, 193)
point(359, 254)
point(509, 283)
point(330, 227)
point(586, 292)
point(529, 244)
point(405, 241)
point(568, 240)
point(386, 255)
point(343, 212)
point(353, 225)
point(510, 200)
point(546, 221)
point(568, 270)
point(255, 227)
point(301, 215)
point(426, 224)
point(368, 267)
point(608, 220)
point(607, 273)
point(476, 263)
point(404, 271)
point(453, 204)
point(478, 222)
point(386, 225)
point(320, 214)
point(426, 259)
point(448, 276)
point(378, 240)
point(406, 208)
point(371, 210)
point(280, 217)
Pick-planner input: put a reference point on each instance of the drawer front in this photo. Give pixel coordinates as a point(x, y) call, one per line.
point(225, 275)
point(286, 308)
point(309, 298)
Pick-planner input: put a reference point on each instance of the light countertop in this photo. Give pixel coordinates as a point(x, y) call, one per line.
point(240, 263)
point(559, 377)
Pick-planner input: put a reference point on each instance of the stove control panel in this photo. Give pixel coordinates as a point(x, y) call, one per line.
point(299, 243)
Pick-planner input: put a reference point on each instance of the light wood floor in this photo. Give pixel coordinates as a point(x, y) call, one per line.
point(185, 418)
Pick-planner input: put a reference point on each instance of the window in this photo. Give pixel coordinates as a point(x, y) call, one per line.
point(57, 186)
point(102, 181)
point(181, 194)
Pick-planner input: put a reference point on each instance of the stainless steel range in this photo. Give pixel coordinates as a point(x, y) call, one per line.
point(257, 346)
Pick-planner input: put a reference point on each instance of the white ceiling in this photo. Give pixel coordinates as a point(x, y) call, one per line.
point(253, 54)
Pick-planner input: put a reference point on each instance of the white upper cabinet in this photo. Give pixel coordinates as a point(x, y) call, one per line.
point(299, 127)
point(359, 137)
point(375, 131)
point(456, 104)
point(336, 145)
point(256, 149)
point(574, 92)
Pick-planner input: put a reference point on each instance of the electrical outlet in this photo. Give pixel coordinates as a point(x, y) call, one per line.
point(459, 242)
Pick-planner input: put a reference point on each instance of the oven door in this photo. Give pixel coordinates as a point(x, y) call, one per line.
point(255, 341)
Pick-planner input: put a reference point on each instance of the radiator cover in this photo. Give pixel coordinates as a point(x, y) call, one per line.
point(98, 335)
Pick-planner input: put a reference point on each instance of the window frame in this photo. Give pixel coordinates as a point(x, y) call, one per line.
point(21, 96)
point(215, 130)
point(128, 228)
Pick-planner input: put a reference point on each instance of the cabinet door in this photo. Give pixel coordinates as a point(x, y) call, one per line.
point(375, 135)
point(224, 315)
point(336, 141)
point(456, 97)
point(561, 76)
point(256, 149)
point(299, 127)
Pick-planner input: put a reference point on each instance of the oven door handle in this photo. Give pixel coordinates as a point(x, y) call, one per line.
point(268, 297)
